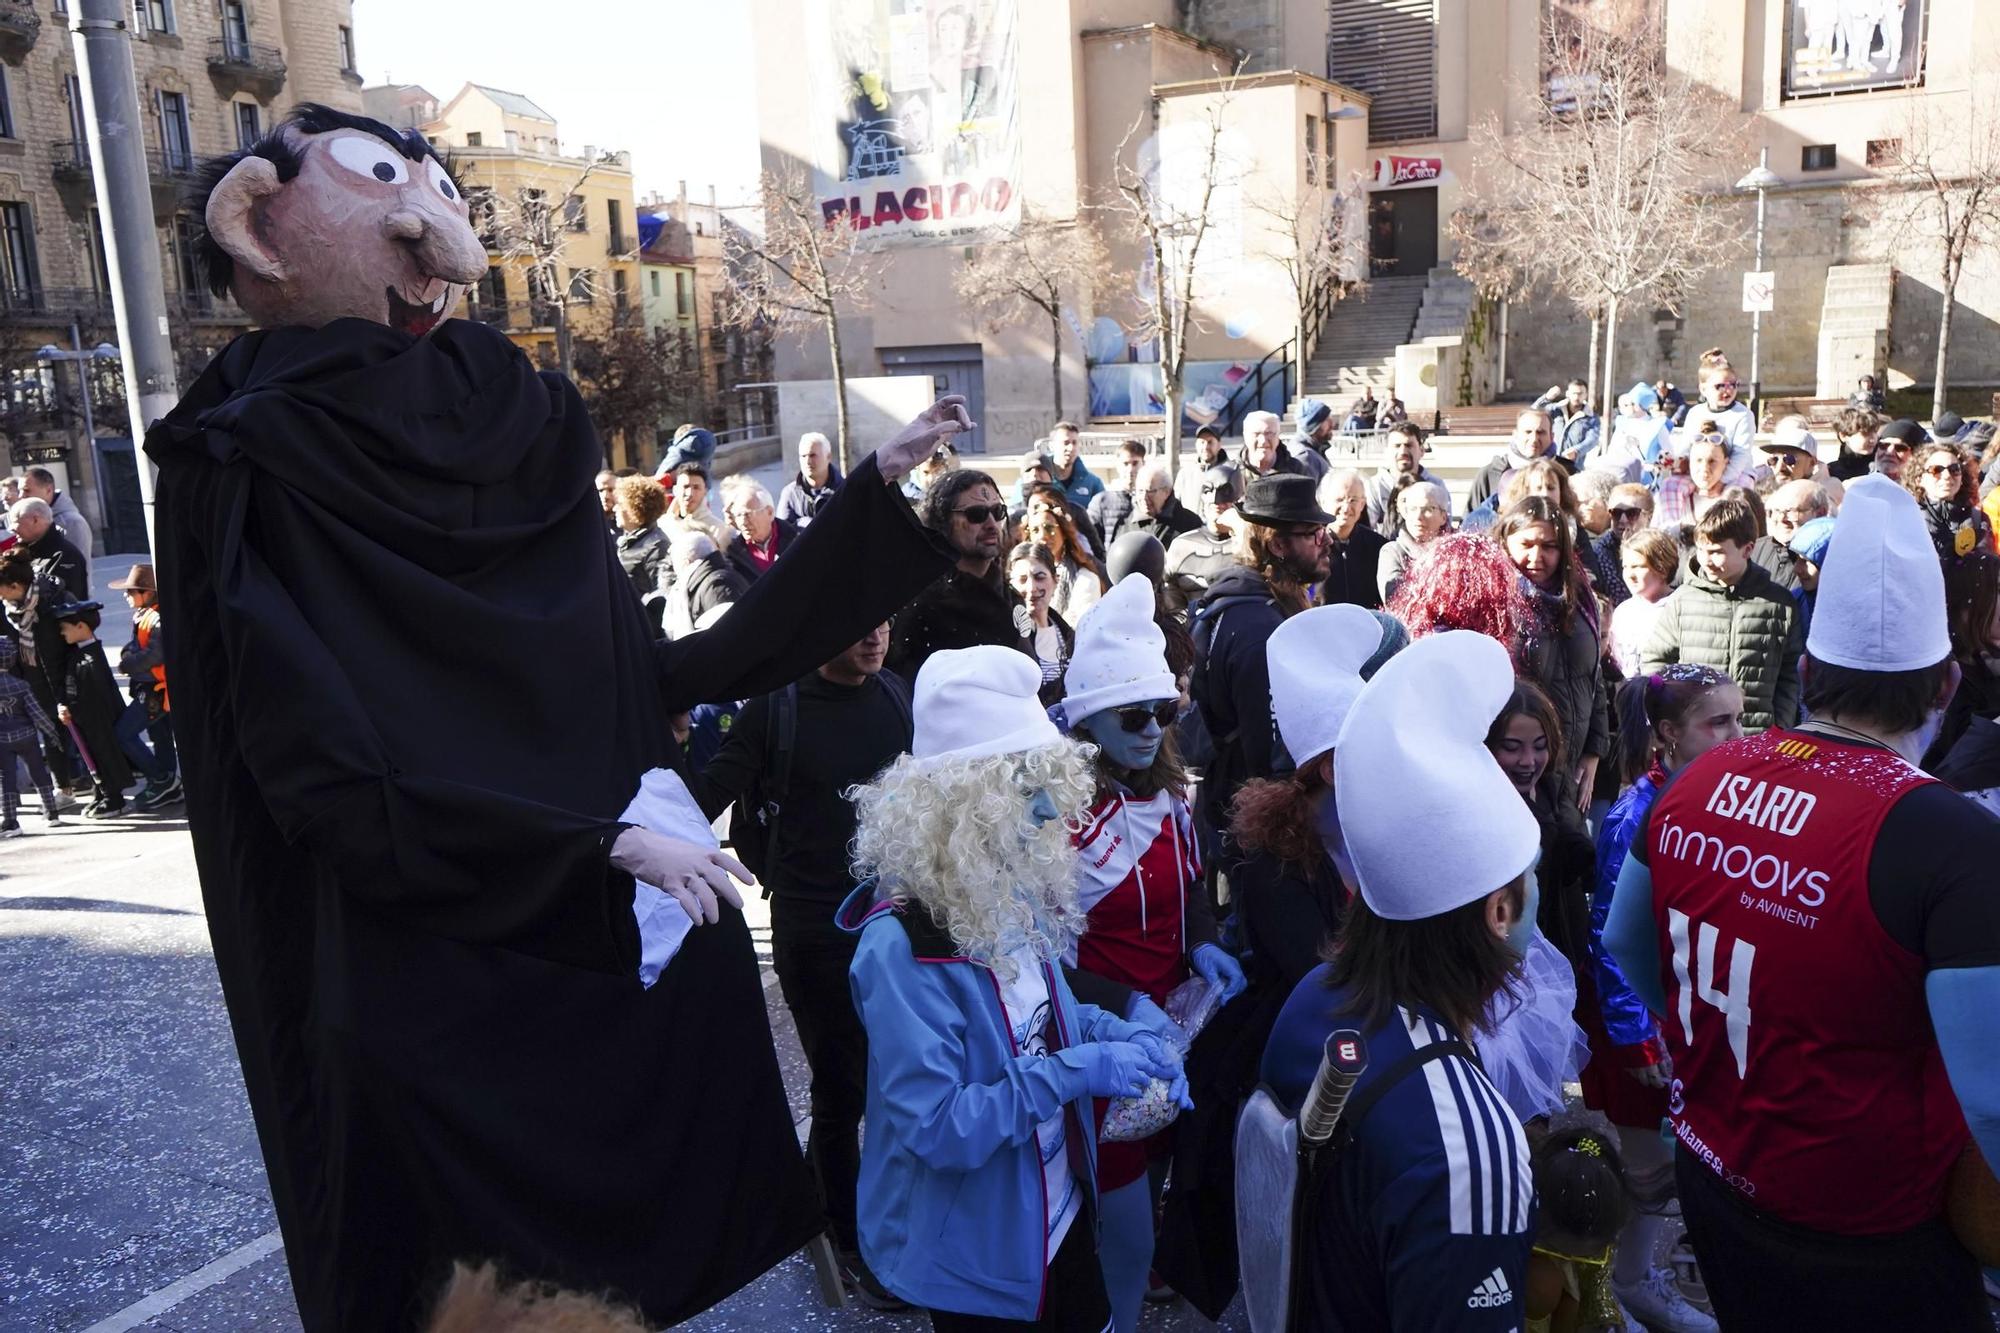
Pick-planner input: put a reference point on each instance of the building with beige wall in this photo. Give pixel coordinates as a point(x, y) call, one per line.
point(733, 362)
point(1407, 83)
point(212, 77)
point(1100, 87)
point(1852, 294)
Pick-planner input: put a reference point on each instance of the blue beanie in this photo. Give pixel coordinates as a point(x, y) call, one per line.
point(1811, 540)
point(1312, 412)
point(1644, 396)
point(691, 444)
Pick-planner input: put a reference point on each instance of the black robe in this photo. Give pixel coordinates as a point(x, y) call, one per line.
point(413, 691)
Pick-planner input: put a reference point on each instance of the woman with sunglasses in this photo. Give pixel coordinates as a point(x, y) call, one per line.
point(1665, 721)
point(1148, 927)
point(1946, 483)
point(1079, 580)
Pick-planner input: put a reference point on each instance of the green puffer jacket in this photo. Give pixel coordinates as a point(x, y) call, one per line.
point(1751, 630)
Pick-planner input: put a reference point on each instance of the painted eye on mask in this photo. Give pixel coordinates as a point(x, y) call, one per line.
point(371, 158)
point(440, 178)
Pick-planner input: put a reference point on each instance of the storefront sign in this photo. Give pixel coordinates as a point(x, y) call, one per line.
point(1391, 172)
point(917, 119)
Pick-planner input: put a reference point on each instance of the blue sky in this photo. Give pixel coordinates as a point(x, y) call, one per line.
point(670, 80)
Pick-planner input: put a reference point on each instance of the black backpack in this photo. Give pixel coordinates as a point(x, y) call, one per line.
point(1191, 735)
point(754, 817)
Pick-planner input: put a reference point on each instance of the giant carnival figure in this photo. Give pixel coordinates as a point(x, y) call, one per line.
point(415, 697)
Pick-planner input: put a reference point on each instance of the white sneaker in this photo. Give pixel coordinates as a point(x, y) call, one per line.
point(1656, 1301)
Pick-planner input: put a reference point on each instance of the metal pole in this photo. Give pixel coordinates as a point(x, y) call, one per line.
point(1757, 316)
point(102, 39)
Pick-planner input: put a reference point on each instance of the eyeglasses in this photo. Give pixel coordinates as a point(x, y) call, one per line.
point(1627, 511)
point(1711, 437)
point(1312, 534)
point(1427, 510)
point(1134, 719)
point(1945, 469)
point(1894, 447)
point(977, 514)
point(1731, 385)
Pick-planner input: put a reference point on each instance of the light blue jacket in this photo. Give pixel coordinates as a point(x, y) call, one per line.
point(951, 1198)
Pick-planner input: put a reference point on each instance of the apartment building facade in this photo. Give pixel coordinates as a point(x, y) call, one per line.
point(212, 77)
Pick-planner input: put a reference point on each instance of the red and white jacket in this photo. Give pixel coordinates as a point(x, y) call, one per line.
point(1141, 886)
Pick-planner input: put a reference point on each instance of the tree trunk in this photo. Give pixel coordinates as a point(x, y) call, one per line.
point(1170, 412)
point(1596, 346)
point(1610, 362)
point(1055, 360)
point(1943, 348)
point(839, 394)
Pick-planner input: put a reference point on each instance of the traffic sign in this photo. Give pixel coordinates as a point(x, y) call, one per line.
point(1759, 293)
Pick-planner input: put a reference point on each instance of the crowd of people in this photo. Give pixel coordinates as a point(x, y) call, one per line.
point(72, 727)
point(1351, 760)
point(1656, 768)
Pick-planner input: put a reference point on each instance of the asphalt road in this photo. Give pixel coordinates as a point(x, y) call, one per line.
point(131, 1192)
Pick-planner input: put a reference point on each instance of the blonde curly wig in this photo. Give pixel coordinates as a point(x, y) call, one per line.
point(956, 836)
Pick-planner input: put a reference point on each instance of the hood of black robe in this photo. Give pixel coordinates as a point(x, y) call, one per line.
point(427, 508)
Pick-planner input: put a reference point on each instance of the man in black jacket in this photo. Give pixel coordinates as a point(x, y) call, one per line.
point(55, 557)
point(1232, 681)
point(704, 581)
point(970, 603)
point(795, 753)
point(1162, 514)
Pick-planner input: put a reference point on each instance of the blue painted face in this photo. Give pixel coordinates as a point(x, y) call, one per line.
point(1042, 808)
point(1522, 932)
point(1131, 751)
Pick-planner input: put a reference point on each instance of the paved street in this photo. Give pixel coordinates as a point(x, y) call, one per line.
point(131, 1194)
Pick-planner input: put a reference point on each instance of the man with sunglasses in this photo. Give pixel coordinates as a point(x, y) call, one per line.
point(1894, 444)
point(1285, 556)
point(970, 604)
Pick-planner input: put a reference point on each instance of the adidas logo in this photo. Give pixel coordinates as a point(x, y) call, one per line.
point(1491, 1294)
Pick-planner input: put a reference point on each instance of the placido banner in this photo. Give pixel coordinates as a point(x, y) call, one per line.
point(920, 133)
point(1393, 171)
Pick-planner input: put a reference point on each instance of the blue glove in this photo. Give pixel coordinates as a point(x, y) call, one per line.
point(1153, 1018)
point(1222, 972)
point(1122, 1068)
point(1168, 1053)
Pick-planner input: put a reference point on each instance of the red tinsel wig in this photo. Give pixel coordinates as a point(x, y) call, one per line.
point(1464, 581)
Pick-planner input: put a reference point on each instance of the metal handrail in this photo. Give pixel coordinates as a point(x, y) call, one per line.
point(237, 54)
point(1319, 305)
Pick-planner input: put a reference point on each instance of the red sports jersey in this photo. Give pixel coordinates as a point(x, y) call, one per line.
point(1806, 1073)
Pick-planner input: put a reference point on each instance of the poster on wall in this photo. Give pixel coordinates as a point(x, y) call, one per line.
point(1841, 45)
point(918, 134)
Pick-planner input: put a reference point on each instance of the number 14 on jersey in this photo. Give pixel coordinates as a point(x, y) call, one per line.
point(1733, 1001)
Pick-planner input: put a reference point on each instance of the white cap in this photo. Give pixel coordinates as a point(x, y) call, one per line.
point(1881, 590)
point(1315, 659)
point(1430, 820)
point(974, 702)
point(1120, 655)
point(1794, 433)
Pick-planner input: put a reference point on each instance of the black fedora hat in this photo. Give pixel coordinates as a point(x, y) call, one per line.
point(1282, 498)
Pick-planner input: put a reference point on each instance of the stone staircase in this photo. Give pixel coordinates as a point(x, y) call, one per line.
point(1854, 326)
point(1447, 307)
point(1357, 348)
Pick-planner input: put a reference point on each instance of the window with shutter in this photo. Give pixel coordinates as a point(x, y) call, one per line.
point(1387, 49)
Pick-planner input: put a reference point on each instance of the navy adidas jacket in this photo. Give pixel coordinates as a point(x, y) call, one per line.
point(1425, 1221)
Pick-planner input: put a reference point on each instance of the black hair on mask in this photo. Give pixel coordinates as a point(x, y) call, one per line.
point(214, 263)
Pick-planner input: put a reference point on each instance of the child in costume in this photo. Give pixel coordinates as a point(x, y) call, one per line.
point(21, 716)
point(90, 707)
point(1148, 925)
point(1580, 1206)
point(977, 1196)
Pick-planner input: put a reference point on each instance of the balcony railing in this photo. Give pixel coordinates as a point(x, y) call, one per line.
point(39, 302)
point(200, 304)
point(246, 61)
point(515, 316)
point(171, 166)
point(19, 24)
point(70, 159)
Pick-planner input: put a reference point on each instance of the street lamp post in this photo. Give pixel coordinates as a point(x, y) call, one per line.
point(1760, 180)
point(50, 353)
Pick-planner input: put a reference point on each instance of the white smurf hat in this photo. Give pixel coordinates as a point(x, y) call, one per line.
point(1315, 659)
point(1430, 820)
point(1120, 656)
point(974, 702)
point(1881, 590)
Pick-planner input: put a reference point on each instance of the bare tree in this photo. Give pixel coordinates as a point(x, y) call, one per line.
point(1310, 241)
point(1042, 263)
point(801, 273)
point(1605, 197)
point(1164, 200)
point(532, 232)
point(1950, 173)
point(632, 378)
